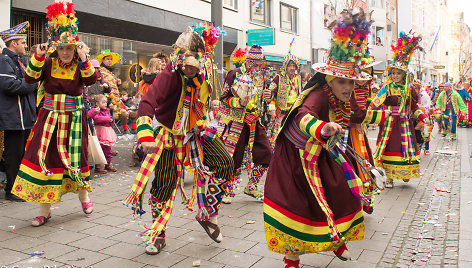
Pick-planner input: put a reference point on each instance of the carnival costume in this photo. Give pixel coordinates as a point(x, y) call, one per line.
point(55, 161)
point(450, 104)
point(397, 151)
point(313, 195)
point(180, 104)
point(466, 97)
point(245, 138)
point(285, 90)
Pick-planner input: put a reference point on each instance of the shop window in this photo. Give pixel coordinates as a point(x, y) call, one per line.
point(134, 57)
point(288, 18)
point(260, 11)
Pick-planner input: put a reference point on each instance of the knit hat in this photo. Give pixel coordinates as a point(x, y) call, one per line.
point(403, 49)
point(254, 55)
point(17, 32)
point(348, 46)
point(290, 58)
point(62, 24)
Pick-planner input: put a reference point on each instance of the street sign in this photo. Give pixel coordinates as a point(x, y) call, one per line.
point(261, 37)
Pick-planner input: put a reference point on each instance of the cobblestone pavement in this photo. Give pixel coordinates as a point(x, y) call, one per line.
point(423, 223)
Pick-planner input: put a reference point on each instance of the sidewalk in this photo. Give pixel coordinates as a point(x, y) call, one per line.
point(412, 220)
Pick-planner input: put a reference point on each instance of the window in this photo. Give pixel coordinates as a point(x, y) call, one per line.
point(260, 11)
point(378, 35)
point(36, 32)
point(288, 18)
point(328, 15)
point(231, 4)
point(393, 14)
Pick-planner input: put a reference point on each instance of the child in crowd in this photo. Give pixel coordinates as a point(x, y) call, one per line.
point(105, 133)
point(132, 112)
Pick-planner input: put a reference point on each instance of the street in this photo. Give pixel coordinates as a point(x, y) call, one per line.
point(423, 223)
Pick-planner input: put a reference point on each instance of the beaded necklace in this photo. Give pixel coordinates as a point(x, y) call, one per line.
point(342, 110)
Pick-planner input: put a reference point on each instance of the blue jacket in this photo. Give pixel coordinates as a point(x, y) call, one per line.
point(17, 98)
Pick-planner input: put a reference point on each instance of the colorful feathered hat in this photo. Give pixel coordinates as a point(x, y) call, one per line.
point(196, 45)
point(62, 23)
point(348, 46)
point(17, 32)
point(290, 57)
point(403, 49)
point(239, 57)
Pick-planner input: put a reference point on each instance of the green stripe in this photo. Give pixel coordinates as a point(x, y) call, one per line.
point(144, 127)
point(401, 163)
point(34, 68)
point(310, 124)
point(326, 238)
point(374, 117)
point(33, 180)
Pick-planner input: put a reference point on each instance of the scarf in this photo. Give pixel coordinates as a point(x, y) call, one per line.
point(62, 107)
point(341, 109)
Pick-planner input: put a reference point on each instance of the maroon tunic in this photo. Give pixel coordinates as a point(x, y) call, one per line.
point(54, 85)
point(286, 184)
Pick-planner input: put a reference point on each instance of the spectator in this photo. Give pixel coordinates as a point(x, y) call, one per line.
point(132, 113)
point(378, 42)
point(17, 99)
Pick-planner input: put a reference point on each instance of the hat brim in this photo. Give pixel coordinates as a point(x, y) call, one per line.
point(398, 66)
point(370, 65)
point(321, 68)
point(115, 56)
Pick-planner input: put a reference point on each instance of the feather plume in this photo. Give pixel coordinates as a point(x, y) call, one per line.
point(405, 46)
point(239, 56)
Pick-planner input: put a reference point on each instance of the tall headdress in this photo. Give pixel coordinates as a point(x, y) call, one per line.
point(349, 48)
point(62, 23)
point(196, 45)
point(403, 49)
point(17, 32)
point(239, 57)
point(290, 57)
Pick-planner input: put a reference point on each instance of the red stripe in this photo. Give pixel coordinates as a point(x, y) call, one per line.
point(399, 154)
point(38, 168)
point(146, 139)
point(300, 219)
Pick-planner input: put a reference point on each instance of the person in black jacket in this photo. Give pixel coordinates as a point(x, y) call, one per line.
point(17, 101)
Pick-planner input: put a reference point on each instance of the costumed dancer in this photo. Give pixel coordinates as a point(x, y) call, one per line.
point(436, 112)
point(464, 92)
point(179, 100)
point(357, 137)
point(397, 151)
point(450, 104)
point(241, 109)
point(285, 89)
point(313, 196)
point(55, 161)
point(425, 102)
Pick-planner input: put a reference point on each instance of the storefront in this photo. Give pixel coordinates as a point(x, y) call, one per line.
point(135, 56)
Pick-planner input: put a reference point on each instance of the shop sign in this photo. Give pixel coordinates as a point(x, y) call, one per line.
point(280, 59)
point(437, 67)
point(261, 37)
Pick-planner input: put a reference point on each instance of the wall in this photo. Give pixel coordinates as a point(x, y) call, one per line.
point(4, 17)
point(302, 45)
